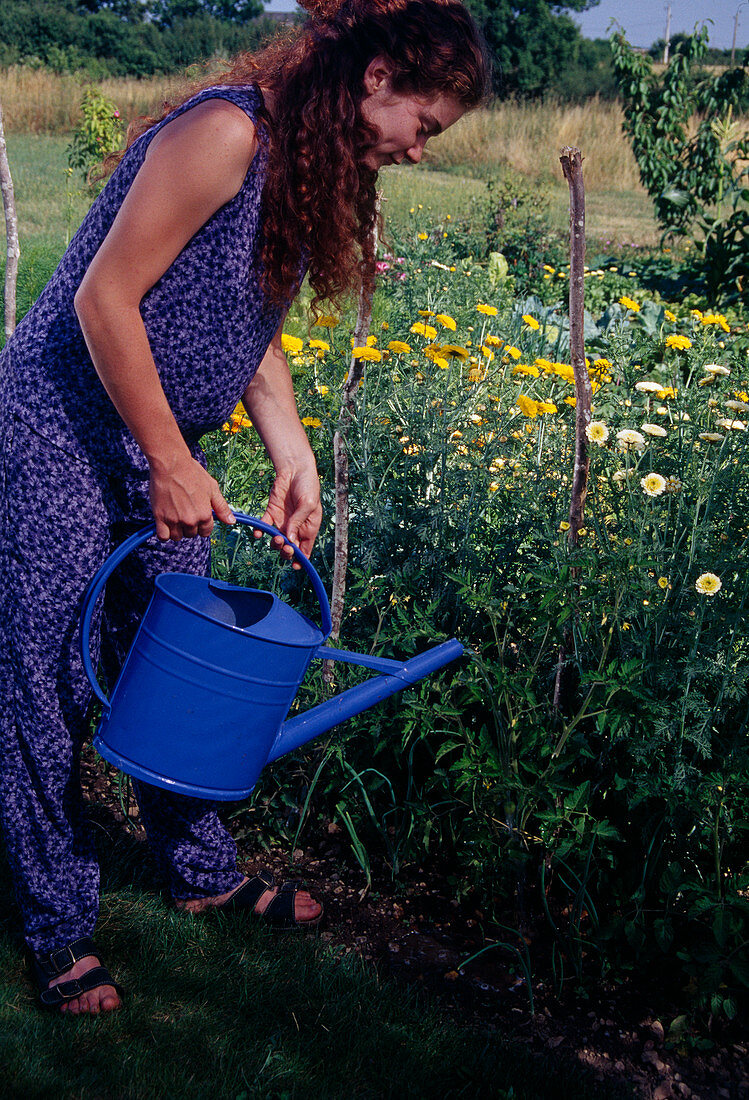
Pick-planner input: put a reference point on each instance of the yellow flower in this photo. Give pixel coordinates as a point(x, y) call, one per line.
point(326, 321)
point(673, 484)
point(667, 391)
point(488, 311)
point(425, 312)
point(292, 345)
point(371, 341)
point(311, 422)
point(322, 390)
point(513, 352)
point(597, 432)
point(493, 341)
point(319, 345)
point(370, 355)
point(446, 321)
point(524, 368)
point(663, 582)
point(653, 485)
point(546, 407)
point(629, 303)
point(454, 351)
point(707, 584)
point(420, 329)
point(527, 406)
point(715, 319)
point(399, 347)
point(680, 342)
point(443, 364)
point(669, 315)
point(423, 236)
point(564, 525)
point(531, 322)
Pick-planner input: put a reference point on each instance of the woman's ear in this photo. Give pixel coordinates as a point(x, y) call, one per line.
point(377, 75)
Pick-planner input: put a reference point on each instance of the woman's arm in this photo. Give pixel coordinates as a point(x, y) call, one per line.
point(193, 166)
point(294, 502)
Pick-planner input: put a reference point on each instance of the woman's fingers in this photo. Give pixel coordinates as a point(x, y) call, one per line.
point(184, 500)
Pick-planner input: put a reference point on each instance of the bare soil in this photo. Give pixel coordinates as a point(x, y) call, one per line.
point(414, 930)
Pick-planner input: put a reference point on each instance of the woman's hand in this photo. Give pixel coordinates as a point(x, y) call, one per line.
point(183, 499)
point(294, 508)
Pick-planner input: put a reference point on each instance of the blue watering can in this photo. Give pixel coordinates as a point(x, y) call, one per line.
point(200, 702)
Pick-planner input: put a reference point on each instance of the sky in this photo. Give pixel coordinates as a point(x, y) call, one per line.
point(644, 21)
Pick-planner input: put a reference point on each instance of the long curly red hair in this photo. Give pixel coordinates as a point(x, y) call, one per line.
point(319, 197)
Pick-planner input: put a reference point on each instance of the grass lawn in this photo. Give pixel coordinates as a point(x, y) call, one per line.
point(223, 1008)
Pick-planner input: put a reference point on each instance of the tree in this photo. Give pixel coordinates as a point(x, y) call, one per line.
point(170, 12)
point(530, 41)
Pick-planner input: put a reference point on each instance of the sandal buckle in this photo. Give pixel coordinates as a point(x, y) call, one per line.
point(62, 959)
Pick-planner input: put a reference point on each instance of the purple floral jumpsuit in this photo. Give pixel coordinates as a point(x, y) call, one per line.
point(74, 483)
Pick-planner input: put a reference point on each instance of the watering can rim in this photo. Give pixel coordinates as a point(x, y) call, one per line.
point(97, 582)
point(162, 581)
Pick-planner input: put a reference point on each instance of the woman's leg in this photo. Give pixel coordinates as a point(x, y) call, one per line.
point(54, 535)
point(194, 852)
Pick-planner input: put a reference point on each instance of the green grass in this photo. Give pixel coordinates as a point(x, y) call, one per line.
point(222, 1008)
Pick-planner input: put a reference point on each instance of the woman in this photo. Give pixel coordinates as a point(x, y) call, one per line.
point(167, 309)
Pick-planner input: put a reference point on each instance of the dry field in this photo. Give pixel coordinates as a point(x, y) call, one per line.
point(523, 137)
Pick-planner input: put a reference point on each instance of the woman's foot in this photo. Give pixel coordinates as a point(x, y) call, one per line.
point(104, 998)
point(74, 979)
point(306, 909)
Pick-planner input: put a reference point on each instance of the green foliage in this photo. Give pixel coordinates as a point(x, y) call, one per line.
point(534, 47)
point(603, 789)
point(100, 133)
point(109, 42)
point(699, 183)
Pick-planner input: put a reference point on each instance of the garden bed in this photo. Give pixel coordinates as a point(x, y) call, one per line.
point(416, 932)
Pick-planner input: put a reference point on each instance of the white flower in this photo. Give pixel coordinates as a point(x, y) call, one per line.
point(653, 485)
point(716, 368)
point(654, 429)
point(736, 425)
point(707, 584)
point(737, 406)
point(673, 484)
point(711, 437)
point(648, 387)
point(630, 440)
point(597, 432)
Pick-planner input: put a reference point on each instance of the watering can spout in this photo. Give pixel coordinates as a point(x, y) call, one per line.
point(394, 677)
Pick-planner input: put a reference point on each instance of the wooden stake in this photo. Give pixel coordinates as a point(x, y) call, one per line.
point(572, 167)
point(354, 377)
point(13, 250)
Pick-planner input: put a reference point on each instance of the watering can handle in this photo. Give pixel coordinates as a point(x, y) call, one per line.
point(101, 577)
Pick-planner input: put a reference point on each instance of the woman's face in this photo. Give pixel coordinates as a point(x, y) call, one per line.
point(404, 123)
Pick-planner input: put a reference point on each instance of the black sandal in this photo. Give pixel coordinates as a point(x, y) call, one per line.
point(280, 909)
point(48, 967)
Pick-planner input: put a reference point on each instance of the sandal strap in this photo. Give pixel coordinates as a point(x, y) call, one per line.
point(280, 908)
point(68, 991)
point(57, 962)
point(250, 892)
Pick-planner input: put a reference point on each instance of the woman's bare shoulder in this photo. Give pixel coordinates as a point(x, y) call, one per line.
point(213, 126)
